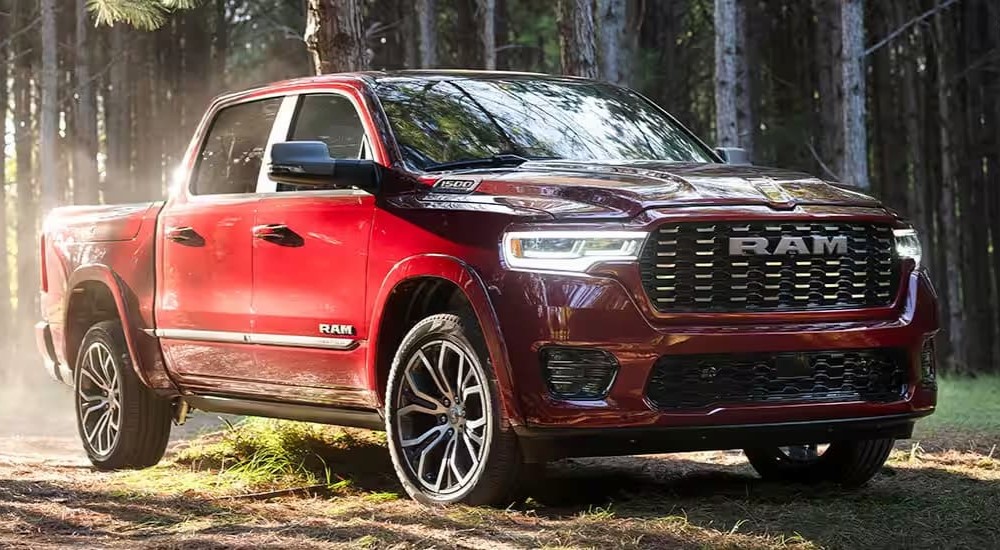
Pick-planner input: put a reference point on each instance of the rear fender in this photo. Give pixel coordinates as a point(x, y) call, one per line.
point(143, 349)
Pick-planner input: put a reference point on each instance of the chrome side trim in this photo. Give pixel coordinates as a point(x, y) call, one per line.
point(257, 339)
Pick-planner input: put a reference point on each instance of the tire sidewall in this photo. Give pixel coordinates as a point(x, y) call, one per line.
point(456, 331)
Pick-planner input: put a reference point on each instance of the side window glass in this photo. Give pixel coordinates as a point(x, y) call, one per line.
point(333, 120)
point(233, 151)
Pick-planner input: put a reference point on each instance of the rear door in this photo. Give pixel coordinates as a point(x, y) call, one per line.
point(205, 273)
point(310, 259)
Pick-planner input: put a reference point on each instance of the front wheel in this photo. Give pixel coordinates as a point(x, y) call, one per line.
point(444, 423)
point(848, 463)
point(122, 423)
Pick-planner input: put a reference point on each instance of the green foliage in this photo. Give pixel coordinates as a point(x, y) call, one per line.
point(142, 14)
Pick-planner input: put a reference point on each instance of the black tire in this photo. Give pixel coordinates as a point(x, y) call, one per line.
point(494, 478)
point(847, 463)
point(143, 417)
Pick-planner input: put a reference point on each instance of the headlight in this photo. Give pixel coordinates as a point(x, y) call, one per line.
point(907, 244)
point(575, 251)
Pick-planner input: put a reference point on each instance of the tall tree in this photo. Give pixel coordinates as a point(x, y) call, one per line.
point(726, 128)
point(616, 53)
point(23, 50)
point(829, 127)
point(335, 36)
point(49, 126)
point(5, 28)
point(855, 170)
point(85, 145)
point(577, 47)
point(118, 116)
point(488, 16)
point(952, 238)
point(427, 27)
point(744, 94)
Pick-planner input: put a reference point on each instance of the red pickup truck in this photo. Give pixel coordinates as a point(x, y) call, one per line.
point(498, 270)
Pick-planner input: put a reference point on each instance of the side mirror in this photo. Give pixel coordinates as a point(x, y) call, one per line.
point(734, 155)
point(308, 164)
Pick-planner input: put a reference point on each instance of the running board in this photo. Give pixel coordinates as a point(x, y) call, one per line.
point(351, 418)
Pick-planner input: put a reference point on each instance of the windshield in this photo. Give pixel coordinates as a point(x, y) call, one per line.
point(439, 122)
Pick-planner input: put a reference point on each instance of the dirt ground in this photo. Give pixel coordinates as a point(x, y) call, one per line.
point(942, 493)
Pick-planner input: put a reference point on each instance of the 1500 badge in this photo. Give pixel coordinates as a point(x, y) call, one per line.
point(454, 185)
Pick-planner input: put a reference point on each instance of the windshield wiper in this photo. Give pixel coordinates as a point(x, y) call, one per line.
point(502, 159)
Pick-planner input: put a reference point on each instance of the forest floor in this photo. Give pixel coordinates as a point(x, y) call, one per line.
point(940, 490)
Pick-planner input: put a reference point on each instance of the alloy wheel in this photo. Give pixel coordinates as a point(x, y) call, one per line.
point(99, 399)
point(443, 412)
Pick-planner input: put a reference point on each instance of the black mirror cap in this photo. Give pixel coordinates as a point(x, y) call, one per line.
point(734, 155)
point(308, 164)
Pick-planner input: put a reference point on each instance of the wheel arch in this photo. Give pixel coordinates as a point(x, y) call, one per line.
point(95, 294)
point(424, 285)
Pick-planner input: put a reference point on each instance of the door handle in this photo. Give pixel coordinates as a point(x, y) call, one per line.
point(185, 235)
point(277, 233)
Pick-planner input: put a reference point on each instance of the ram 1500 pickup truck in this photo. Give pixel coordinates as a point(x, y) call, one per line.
point(498, 270)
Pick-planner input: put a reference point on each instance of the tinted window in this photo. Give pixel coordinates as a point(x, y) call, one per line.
point(231, 156)
point(453, 120)
point(333, 120)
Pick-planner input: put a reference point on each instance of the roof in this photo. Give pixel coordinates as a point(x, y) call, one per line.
point(374, 77)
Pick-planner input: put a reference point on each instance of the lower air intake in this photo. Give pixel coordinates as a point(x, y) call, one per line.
point(578, 373)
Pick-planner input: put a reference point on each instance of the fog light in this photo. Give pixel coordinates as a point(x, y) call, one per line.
point(928, 366)
point(578, 373)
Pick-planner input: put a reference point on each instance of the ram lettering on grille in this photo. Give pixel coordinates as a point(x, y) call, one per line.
point(769, 266)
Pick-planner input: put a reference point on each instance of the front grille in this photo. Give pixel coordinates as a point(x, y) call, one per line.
point(688, 267)
point(697, 381)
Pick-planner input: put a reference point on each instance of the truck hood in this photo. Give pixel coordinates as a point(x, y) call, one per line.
point(570, 189)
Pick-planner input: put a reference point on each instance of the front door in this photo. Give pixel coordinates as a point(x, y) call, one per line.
point(310, 259)
point(205, 233)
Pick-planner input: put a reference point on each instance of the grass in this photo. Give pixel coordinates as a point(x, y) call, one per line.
point(967, 405)
point(937, 492)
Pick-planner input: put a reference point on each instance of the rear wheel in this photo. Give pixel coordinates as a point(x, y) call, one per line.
point(122, 423)
point(848, 463)
point(447, 434)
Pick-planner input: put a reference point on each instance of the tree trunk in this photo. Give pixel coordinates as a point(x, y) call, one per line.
point(952, 238)
point(427, 26)
point(488, 16)
point(615, 55)
point(577, 48)
point(726, 129)
point(48, 158)
point(855, 170)
point(5, 313)
point(24, 139)
point(744, 92)
point(335, 36)
point(118, 116)
point(220, 48)
point(85, 147)
point(829, 134)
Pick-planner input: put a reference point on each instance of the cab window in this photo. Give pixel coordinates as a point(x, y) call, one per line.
point(233, 151)
point(333, 120)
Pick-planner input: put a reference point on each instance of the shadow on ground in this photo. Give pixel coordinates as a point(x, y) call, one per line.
point(620, 502)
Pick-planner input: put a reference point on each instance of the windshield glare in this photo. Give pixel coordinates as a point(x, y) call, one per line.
point(446, 121)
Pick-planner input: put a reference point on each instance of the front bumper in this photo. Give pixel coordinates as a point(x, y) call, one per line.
point(601, 312)
point(544, 444)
